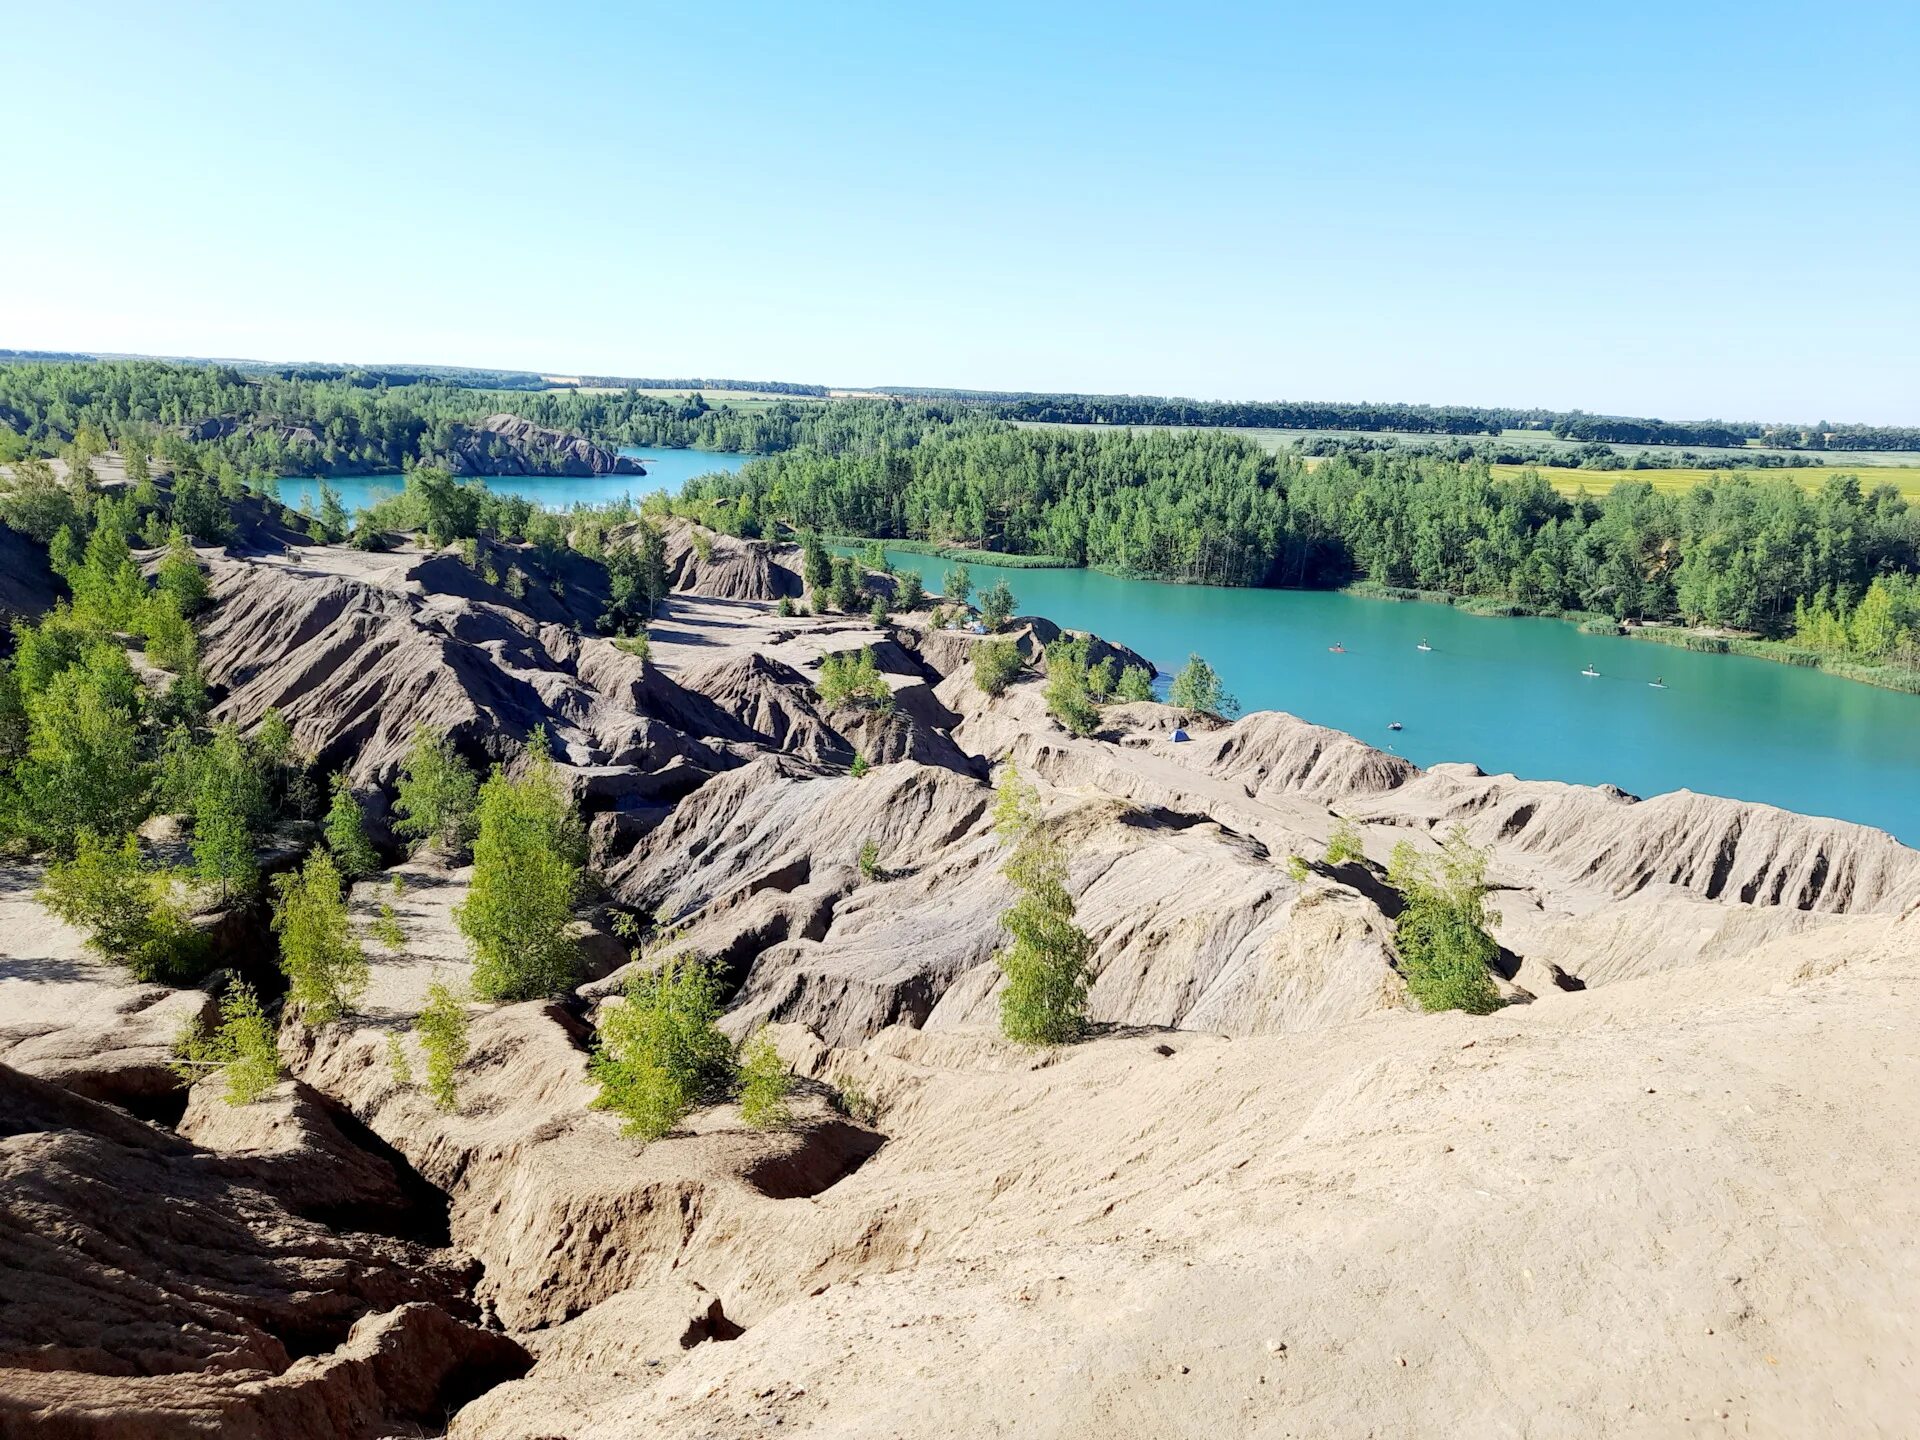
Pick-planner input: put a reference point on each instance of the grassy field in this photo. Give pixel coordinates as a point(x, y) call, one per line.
point(1905, 478)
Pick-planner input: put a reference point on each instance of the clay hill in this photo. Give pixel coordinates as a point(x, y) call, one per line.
point(1671, 1188)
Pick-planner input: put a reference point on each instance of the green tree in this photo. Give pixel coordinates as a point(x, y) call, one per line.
point(996, 664)
point(527, 877)
point(1135, 684)
point(854, 679)
point(36, 504)
point(1197, 687)
point(911, 593)
point(660, 1051)
point(1044, 999)
point(127, 909)
point(1442, 933)
point(816, 565)
point(180, 575)
point(326, 969)
point(877, 614)
point(1066, 691)
point(844, 590)
point(346, 833)
point(242, 1048)
point(764, 1083)
point(442, 1031)
point(1345, 844)
point(957, 585)
point(436, 793)
point(83, 769)
point(996, 606)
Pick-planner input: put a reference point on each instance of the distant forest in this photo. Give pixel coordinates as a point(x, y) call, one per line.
point(1835, 568)
point(1416, 420)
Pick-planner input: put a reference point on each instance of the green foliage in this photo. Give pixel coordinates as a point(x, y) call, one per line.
point(436, 793)
point(869, 860)
point(397, 1063)
point(784, 609)
point(854, 679)
point(637, 580)
point(1442, 934)
point(910, 593)
point(527, 877)
point(816, 565)
point(127, 909)
point(1297, 869)
point(1068, 700)
point(858, 769)
point(181, 577)
point(242, 1048)
point(877, 614)
point(346, 832)
point(1345, 844)
point(660, 1051)
point(36, 503)
point(1197, 687)
point(851, 1099)
point(386, 929)
point(957, 585)
point(873, 556)
point(1016, 805)
point(843, 590)
point(1101, 679)
point(325, 967)
point(639, 646)
point(996, 664)
point(996, 606)
point(442, 1031)
point(1044, 1000)
point(764, 1083)
point(83, 768)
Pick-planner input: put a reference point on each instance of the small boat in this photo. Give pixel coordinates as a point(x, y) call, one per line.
point(1423, 644)
point(1336, 649)
point(1590, 672)
point(1396, 725)
point(1656, 683)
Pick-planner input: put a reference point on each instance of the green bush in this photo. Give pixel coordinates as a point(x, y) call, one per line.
point(1345, 844)
point(1044, 1000)
point(660, 1052)
point(1198, 687)
point(527, 877)
point(325, 967)
point(997, 606)
point(957, 585)
point(127, 909)
point(436, 793)
point(242, 1048)
point(346, 832)
point(1442, 935)
point(764, 1084)
point(869, 860)
point(996, 663)
point(1135, 684)
point(854, 679)
point(911, 592)
point(442, 1031)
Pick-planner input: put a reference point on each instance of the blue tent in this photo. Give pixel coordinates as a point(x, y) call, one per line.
point(1178, 736)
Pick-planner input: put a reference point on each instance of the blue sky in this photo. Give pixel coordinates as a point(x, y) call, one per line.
point(1679, 209)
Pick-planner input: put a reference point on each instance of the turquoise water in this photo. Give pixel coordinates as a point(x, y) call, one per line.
point(666, 470)
point(1508, 695)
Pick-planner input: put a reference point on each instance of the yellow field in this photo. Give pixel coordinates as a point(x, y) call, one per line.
point(1904, 478)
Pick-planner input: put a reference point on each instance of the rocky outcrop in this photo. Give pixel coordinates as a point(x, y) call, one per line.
point(148, 1292)
point(509, 445)
point(723, 567)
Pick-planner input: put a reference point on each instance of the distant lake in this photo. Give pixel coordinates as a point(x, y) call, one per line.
point(1508, 695)
point(667, 470)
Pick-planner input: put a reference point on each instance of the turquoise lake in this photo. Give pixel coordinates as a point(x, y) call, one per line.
point(1508, 695)
point(666, 470)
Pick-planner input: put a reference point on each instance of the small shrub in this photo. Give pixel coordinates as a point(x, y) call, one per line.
point(241, 1047)
point(850, 1098)
point(911, 592)
point(1442, 935)
point(1135, 684)
point(764, 1084)
point(107, 890)
point(877, 614)
point(784, 609)
point(859, 768)
point(870, 861)
point(442, 1031)
point(996, 606)
point(957, 585)
point(386, 929)
point(397, 1064)
point(854, 679)
point(1198, 687)
point(996, 663)
point(1345, 844)
point(325, 967)
point(436, 793)
point(639, 646)
point(1297, 869)
point(660, 1052)
point(346, 832)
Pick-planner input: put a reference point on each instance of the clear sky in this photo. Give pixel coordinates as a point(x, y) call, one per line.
point(1680, 209)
